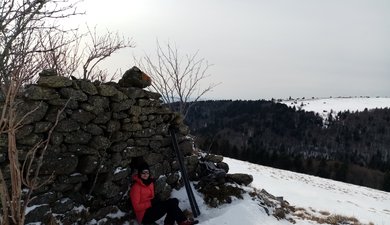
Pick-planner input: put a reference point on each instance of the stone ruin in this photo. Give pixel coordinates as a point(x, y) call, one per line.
point(102, 131)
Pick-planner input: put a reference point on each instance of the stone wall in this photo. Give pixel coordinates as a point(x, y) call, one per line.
point(102, 132)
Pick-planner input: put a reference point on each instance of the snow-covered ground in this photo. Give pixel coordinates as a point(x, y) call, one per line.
point(324, 106)
point(315, 194)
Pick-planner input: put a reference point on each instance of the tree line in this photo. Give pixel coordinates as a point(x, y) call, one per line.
point(348, 146)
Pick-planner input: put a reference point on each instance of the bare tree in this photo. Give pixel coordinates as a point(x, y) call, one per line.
point(80, 54)
point(177, 78)
point(100, 47)
point(25, 28)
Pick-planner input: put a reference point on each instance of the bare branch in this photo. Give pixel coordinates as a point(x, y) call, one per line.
point(177, 79)
point(101, 47)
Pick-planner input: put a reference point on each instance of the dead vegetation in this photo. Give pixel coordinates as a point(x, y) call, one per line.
point(281, 209)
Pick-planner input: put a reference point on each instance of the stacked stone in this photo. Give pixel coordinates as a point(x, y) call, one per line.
point(99, 129)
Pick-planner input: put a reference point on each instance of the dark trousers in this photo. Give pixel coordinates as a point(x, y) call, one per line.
point(159, 209)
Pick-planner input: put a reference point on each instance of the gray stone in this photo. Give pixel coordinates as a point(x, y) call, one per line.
point(162, 189)
point(88, 164)
point(59, 164)
point(45, 198)
point(77, 137)
point(52, 115)
point(37, 213)
point(82, 149)
point(186, 147)
point(135, 110)
point(131, 152)
point(54, 81)
point(82, 116)
point(113, 125)
point(40, 93)
point(107, 189)
point(120, 115)
point(143, 142)
point(240, 178)
point(48, 72)
point(153, 158)
point(102, 118)
point(119, 174)
point(118, 147)
point(224, 166)
point(99, 102)
point(100, 142)
point(133, 92)
point(56, 138)
point(121, 106)
point(62, 206)
point(67, 125)
point(147, 111)
point(30, 140)
point(134, 77)
point(31, 111)
point(88, 87)
point(173, 179)
point(72, 178)
point(143, 103)
point(152, 95)
point(42, 126)
point(119, 97)
point(131, 127)
point(70, 103)
point(24, 131)
point(107, 90)
point(144, 133)
point(214, 158)
point(94, 129)
point(71, 93)
point(117, 136)
point(155, 145)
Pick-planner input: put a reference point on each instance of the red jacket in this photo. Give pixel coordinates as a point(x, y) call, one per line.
point(141, 197)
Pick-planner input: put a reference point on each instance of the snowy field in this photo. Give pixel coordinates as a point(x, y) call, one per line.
point(312, 193)
point(326, 105)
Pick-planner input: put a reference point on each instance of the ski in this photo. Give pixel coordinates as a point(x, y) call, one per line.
point(190, 193)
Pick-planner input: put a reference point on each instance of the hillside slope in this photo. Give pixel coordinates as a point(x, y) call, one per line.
point(339, 146)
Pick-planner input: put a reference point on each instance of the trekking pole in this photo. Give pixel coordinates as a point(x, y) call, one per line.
point(194, 206)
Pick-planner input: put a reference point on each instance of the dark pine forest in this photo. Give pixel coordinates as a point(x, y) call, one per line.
point(352, 147)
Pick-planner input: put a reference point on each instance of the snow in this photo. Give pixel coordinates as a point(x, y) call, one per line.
point(312, 193)
point(323, 106)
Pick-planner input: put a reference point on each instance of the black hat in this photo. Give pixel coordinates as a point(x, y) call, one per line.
point(143, 166)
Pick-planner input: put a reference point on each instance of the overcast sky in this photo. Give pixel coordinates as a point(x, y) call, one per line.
point(262, 49)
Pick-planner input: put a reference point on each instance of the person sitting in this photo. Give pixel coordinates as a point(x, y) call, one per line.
point(147, 209)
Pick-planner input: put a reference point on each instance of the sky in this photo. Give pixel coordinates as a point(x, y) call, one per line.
point(262, 49)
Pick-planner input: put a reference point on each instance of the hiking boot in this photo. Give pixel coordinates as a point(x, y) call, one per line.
point(189, 222)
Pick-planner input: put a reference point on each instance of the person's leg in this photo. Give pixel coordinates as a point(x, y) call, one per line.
point(154, 213)
point(174, 213)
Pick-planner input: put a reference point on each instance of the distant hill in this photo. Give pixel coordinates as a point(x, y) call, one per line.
point(324, 106)
point(339, 145)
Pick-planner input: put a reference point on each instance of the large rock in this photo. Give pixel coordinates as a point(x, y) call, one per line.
point(134, 77)
point(31, 111)
point(240, 178)
point(54, 81)
point(34, 92)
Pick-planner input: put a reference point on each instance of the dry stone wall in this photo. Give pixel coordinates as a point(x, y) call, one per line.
point(104, 128)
